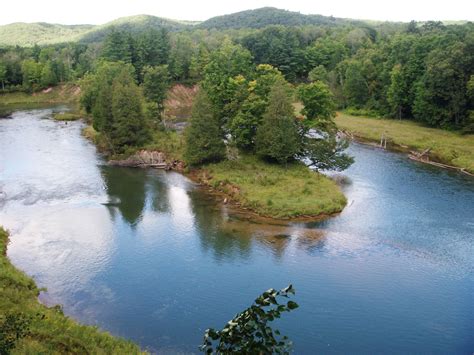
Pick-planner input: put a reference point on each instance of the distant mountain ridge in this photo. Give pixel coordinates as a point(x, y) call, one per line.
point(41, 33)
point(267, 16)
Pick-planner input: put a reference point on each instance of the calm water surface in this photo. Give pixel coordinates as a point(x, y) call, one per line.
point(149, 256)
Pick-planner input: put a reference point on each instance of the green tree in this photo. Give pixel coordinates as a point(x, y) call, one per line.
point(324, 150)
point(356, 87)
point(128, 128)
point(48, 76)
point(319, 106)
point(199, 60)
point(248, 104)
point(180, 57)
point(277, 137)
point(248, 332)
point(3, 74)
point(441, 92)
point(117, 47)
point(227, 62)
point(203, 135)
point(156, 82)
point(318, 73)
point(397, 91)
point(325, 52)
point(31, 72)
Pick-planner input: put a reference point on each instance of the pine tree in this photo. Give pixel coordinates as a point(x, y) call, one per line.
point(117, 47)
point(277, 137)
point(156, 81)
point(203, 136)
point(129, 128)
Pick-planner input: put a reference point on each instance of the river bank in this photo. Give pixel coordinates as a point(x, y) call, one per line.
point(292, 192)
point(255, 187)
point(438, 145)
point(50, 331)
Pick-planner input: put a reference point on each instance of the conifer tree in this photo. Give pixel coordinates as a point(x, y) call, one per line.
point(277, 137)
point(204, 141)
point(129, 128)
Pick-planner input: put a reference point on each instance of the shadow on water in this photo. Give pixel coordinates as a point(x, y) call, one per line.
point(163, 259)
point(126, 189)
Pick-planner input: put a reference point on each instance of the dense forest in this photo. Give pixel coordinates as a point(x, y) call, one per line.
point(419, 71)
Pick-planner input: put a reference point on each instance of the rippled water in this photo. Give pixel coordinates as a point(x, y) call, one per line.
point(149, 256)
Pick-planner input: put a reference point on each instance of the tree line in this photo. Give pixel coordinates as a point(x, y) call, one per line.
point(413, 71)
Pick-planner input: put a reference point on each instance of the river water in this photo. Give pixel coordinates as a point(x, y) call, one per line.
point(149, 256)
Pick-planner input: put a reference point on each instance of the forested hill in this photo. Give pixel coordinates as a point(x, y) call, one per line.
point(29, 34)
point(133, 25)
point(267, 16)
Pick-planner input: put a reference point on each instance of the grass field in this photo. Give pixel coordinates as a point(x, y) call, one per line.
point(50, 331)
point(448, 147)
point(273, 190)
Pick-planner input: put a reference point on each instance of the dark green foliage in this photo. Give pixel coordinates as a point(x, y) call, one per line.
point(31, 74)
point(280, 47)
point(318, 73)
point(227, 62)
point(3, 74)
point(180, 57)
point(128, 128)
point(319, 107)
point(410, 71)
point(117, 47)
point(13, 327)
point(277, 137)
point(266, 16)
point(250, 100)
point(116, 104)
point(325, 52)
point(48, 75)
point(156, 82)
point(324, 151)
point(441, 93)
point(248, 332)
point(204, 141)
point(396, 93)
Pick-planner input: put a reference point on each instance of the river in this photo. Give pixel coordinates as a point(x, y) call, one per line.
point(150, 256)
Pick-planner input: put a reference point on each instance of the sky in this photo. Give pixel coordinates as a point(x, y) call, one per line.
point(100, 11)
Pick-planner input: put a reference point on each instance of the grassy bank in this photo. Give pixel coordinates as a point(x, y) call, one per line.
point(447, 147)
point(272, 190)
point(50, 332)
point(67, 94)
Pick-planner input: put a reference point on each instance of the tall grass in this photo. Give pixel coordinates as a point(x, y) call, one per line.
point(50, 331)
point(274, 190)
point(447, 146)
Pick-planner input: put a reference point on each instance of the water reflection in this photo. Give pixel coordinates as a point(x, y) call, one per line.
point(148, 255)
point(126, 189)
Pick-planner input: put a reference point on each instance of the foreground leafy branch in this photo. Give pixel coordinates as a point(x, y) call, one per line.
point(248, 332)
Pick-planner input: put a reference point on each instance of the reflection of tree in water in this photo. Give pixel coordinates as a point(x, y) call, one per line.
point(158, 189)
point(209, 219)
point(126, 190)
point(311, 240)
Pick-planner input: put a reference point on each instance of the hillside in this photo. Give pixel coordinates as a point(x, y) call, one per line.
point(133, 24)
point(29, 34)
point(266, 16)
